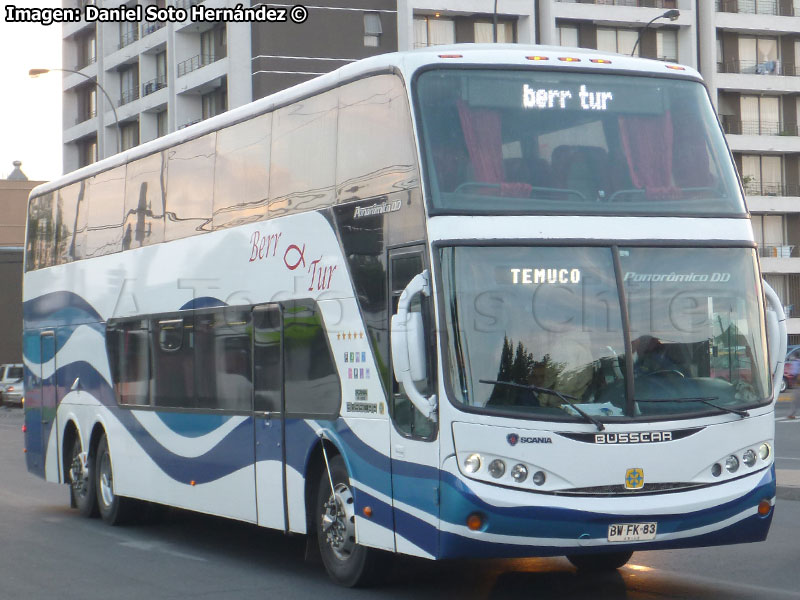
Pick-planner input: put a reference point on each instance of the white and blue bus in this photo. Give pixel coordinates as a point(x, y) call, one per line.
point(472, 301)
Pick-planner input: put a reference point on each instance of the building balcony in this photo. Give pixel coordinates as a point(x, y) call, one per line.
point(637, 3)
point(619, 12)
point(152, 86)
point(733, 126)
point(756, 7)
point(764, 188)
point(148, 28)
point(127, 38)
point(764, 144)
point(752, 67)
point(780, 265)
point(196, 62)
point(777, 251)
point(129, 95)
point(783, 205)
point(774, 76)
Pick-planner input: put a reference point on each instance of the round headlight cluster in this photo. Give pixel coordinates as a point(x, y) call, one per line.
point(749, 457)
point(497, 469)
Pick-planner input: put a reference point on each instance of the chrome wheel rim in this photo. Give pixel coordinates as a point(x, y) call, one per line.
point(106, 480)
point(339, 522)
point(78, 476)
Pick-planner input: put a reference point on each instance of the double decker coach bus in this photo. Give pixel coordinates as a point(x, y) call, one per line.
point(459, 302)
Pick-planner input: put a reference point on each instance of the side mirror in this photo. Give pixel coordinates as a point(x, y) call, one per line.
point(776, 336)
point(408, 346)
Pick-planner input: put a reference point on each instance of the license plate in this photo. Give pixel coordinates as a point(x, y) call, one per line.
point(631, 532)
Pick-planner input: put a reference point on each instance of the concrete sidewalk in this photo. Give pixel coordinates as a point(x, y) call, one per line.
point(788, 484)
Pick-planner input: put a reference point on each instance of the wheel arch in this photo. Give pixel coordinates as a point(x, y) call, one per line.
point(315, 466)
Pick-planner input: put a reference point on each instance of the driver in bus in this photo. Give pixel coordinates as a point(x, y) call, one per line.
point(650, 356)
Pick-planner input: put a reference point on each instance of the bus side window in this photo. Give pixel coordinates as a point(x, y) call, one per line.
point(312, 384)
point(267, 369)
point(408, 420)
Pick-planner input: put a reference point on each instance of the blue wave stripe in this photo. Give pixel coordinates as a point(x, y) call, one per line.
point(58, 309)
point(32, 342)
point(203, 302)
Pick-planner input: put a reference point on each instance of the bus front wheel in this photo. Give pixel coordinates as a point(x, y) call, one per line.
point(348, 563)
point(609, 561)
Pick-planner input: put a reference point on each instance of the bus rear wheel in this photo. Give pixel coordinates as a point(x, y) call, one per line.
point(348, 563)
point(115, 510)
point(609, 561)
point(81, 482)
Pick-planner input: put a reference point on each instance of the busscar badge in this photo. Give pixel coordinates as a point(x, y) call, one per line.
point(634, 478)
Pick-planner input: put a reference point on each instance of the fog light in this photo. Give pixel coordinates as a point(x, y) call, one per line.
point(764, 507)
point(538, 478)
point(475, 521)
point(749, 458)
point(519, 473)
point(732, 464)
point(473, 463)
point(716, 470)
point(764, 451)
point(497, 468)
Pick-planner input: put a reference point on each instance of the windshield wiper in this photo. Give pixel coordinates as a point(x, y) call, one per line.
point(707, 400)
point(567, 399)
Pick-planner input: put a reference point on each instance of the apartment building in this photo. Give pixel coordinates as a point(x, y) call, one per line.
point(126, 83)
point(164, 76)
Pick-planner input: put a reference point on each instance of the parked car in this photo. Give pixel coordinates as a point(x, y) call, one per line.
point(791, 368)
point(13, 393)
point(11, 387)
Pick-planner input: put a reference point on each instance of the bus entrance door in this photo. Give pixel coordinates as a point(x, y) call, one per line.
point(414, 440)
point(268, 416)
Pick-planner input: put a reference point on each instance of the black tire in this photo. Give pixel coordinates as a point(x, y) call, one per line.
point(81, 482)
point(609, 561)
point(348, 563)
point(114, 510)
point(784, 385)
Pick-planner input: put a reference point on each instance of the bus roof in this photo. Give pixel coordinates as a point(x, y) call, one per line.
point(407, 63)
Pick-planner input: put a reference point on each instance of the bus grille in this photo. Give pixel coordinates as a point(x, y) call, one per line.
point(621, 490)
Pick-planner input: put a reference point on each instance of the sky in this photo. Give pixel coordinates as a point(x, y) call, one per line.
point(30, 109)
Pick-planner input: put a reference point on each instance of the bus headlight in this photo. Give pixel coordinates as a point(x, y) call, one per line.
point(497, 468)
point(764, 451)
point(472, 463)
point(732, 464)
point(749, 458)
point(519, 473)
point(539, 478)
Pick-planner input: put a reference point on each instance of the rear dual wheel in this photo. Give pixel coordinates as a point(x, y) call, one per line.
point(92, 484)
point(114, 510)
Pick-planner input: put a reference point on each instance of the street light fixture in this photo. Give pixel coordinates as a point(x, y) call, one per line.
point(37, 72)
point(670, 14)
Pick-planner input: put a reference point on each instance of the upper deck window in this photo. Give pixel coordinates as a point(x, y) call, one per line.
point(502, 141)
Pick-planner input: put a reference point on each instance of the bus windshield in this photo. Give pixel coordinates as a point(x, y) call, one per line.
point(540, 332)
point(533, 141)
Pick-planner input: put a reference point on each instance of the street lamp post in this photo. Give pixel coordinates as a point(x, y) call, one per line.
point(37, 72)
point(670, 14)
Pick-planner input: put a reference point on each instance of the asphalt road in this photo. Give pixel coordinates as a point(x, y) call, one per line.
point(49, 551)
